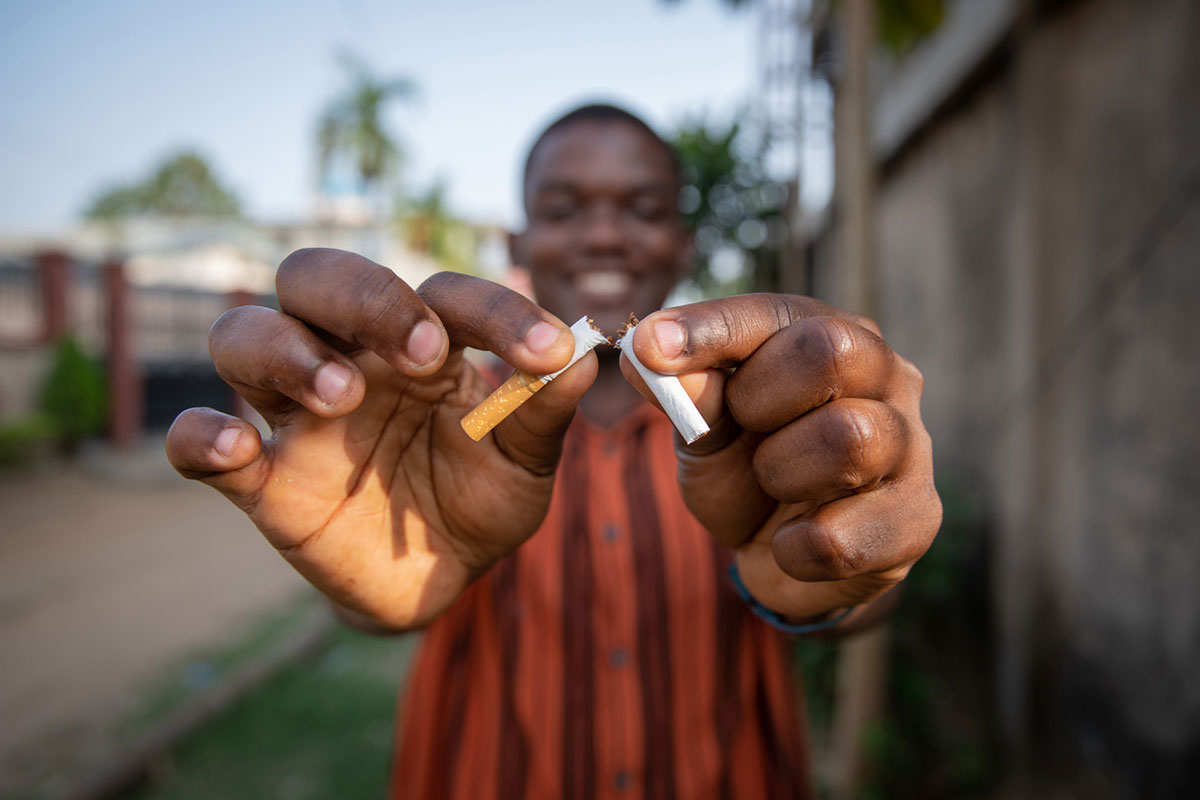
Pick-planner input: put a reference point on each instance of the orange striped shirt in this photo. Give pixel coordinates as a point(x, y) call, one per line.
point(607, 657)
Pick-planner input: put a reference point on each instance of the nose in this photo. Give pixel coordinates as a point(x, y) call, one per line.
point(602, 229)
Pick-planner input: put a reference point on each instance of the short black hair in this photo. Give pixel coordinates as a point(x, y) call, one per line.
point(601, 113)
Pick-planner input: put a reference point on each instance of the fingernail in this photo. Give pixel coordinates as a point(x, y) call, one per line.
point(540, 336)
point(668, 335)
point(226, 441)
point(424, 343)
point(331, 382)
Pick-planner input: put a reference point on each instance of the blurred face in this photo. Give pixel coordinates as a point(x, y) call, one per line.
point(604, 236)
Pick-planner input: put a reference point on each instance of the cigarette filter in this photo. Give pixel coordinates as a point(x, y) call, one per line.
point(522, 386)
point(669, 391)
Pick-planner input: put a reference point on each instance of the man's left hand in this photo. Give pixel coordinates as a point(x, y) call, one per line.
point(818, 471)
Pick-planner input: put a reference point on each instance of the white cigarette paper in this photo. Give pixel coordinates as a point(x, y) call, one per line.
point(509, 396)
point(587, 338)
point(670, 393)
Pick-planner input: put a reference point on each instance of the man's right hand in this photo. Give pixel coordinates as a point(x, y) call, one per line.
point(368, 485)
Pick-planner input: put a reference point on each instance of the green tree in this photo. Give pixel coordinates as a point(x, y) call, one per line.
point(353, 133)
point(75, 395)
point(904, 23)
point(182, 185)
point(733, 207)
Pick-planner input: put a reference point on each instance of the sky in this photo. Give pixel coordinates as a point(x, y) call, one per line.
point(93, 94)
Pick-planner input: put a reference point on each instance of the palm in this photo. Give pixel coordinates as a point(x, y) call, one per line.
point(362, 506)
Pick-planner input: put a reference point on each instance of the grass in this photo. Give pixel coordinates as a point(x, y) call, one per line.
point(23, 439)
point(318, 729)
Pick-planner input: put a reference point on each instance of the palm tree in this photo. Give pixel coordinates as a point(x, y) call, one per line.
point(353, 135)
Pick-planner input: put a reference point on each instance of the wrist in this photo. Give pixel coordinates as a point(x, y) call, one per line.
point(824, 622)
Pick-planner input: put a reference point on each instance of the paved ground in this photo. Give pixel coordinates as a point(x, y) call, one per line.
point(113, 571)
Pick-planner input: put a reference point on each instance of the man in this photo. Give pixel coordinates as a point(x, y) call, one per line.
point(608, 654)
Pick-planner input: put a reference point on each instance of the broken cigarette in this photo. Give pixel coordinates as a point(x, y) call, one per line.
point(669, 391)
point(509, 396)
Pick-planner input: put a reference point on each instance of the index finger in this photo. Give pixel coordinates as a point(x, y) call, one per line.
point(719, 333)
point(362, 304)
point(487, 316)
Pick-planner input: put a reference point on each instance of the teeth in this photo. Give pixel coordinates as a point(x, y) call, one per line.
point(604, 282)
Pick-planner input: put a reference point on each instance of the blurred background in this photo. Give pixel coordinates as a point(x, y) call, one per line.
point(1010, 187)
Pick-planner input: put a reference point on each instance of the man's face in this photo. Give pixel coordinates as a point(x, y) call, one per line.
point(604, 236)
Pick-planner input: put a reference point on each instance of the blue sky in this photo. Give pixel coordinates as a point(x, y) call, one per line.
point(93, 93)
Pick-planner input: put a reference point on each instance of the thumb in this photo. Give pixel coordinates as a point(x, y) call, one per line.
point(225, 452)
point(532, 435)
point(716, 474)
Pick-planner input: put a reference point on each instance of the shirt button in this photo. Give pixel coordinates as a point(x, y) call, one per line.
point(610, 448)
point(622, 779)
point(618, 657)
point(610, 532)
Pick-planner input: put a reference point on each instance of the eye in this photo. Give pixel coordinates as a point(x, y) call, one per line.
point(557, 209)
point(649, 209)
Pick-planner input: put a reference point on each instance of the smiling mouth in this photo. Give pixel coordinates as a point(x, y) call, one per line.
point(600, 285)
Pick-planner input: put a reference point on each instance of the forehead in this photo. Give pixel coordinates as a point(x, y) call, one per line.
point(588, 154)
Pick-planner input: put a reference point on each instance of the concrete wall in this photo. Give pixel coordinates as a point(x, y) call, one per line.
point(1039, 259)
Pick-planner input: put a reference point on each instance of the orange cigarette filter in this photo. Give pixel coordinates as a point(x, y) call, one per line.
point(509, 396)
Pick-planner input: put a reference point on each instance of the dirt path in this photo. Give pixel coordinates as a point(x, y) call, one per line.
point(111, 572)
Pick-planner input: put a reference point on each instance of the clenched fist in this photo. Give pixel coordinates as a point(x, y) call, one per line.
point(818, 470)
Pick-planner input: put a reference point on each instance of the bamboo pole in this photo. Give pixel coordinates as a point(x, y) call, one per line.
point(862, 660)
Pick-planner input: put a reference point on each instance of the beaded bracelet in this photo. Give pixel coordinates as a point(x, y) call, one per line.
point(775, 620)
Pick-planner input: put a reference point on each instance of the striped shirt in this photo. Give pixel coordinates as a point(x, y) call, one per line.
point(606, 657)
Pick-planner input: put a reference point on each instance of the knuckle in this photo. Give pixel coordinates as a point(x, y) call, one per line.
point(826, 552)
point(783, 307)
point(383, 296)
point(855, 438)
point(767, 472)
point(920, 531)
point(502, 304)
point(437, 284)
point(935, 514)
point(294, 259)
point(730, 324)
point(723, 325)
point(825, 346)
point(229, 325)
point(918, 543)
point(912, 375)
point(296, 263)
point(863, 321)
point(925, 442)
point(183, 420)
point(220, 329)
point(478, 309)
point(280, 356)
point(839, 337)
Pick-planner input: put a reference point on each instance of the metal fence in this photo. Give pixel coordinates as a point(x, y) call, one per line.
point(20, 302)
point(168, 337)
point(172, 324)
point(169, 324)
